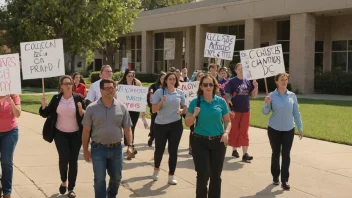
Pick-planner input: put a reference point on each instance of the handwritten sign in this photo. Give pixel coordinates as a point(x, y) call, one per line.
point(262, 62)
point(42, 59)
point(190, 89)
point(10, 74)
point(169, 49)
point(219, 46)
point(134, 97)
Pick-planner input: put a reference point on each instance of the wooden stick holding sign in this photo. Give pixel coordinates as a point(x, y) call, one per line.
point(43, 87)
point(266, 87)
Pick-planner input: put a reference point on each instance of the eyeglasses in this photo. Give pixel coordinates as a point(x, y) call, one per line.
point(207, 84)
point(66, 84)
point(109, 88)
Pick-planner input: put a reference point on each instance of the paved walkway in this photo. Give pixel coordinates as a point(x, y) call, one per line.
point(318, 169)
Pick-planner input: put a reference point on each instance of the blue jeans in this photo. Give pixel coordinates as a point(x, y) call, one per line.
point(8, 141)
point(109, 159)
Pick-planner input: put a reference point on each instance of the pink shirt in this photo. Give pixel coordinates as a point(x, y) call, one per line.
point(66, 116)
point(7, 118)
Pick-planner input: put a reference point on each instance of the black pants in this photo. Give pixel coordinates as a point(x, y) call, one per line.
point(208, 157)
point(172, 134)
point(134, 118)
point(68, 146)
point(152, 122)
point(191, 135)
point(281, 142)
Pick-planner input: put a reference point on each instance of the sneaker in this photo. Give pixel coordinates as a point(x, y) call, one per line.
point(285, 186)
point(71, 194)
point(235, 154)
point(156, 175)
point(276, 181)
point(62, 189)
point(190, 151)
point(150, 142)
point(172, 180)
point(247, 158)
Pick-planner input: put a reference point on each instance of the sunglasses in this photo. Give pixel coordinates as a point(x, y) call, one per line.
point(207, 84)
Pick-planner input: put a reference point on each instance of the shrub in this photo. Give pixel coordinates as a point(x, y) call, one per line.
point(94, 76)
point(51, 83)
point(339, 83)
point(117, 76)
point(147, 78)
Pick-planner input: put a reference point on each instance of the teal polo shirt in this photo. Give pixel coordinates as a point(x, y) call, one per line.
point(210, 116)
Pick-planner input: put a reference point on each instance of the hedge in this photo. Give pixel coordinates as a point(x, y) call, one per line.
point(94, 76)
point(339, 83)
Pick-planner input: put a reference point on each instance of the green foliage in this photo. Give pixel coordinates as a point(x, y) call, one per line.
point(89, 57)
point(154, 4)
point(333, 83)
point(94, 76)
point(147, 78)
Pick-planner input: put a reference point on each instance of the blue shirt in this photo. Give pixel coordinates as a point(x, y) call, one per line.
point(285, 111)
point(168, 110)
point(210, 116)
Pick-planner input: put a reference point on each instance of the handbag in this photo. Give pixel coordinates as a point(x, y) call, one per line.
point(49, 130)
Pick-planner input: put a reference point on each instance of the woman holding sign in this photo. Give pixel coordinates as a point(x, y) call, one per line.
point(238, 91)
point(211, 116)
point(66, 110)
point(169, 103)
point(10, 109)
point(281, 130)
point(129, 79)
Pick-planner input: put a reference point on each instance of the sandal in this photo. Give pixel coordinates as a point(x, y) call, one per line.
point(71, 194)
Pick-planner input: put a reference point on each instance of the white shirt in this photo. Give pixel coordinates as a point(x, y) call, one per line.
point(94, 93)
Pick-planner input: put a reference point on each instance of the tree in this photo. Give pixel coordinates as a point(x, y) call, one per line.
point(82, 24)
point(154, 4)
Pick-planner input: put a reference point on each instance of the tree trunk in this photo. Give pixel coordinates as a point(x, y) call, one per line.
point(73, 65)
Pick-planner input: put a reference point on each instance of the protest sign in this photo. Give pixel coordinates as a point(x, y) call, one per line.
point(219, 46)
point(134, 97)
point(190, 89)
point(42, 59)
point(169, 49)
point(262, 62)
point(10, 74)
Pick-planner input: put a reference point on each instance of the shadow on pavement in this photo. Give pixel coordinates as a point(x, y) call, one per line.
point(57, 195)
point(146, 190)
point(266, 191)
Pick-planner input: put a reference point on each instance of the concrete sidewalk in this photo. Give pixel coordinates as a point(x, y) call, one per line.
point(318, 169)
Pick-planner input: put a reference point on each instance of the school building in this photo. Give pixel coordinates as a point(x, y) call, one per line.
point(316, 35)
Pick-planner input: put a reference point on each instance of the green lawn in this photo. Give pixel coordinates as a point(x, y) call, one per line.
point(322, 119)
point(36, 90)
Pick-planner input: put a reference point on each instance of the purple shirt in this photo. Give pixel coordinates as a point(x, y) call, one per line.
point(222, 84)
point(240, 91)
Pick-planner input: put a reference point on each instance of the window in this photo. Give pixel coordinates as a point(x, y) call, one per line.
point(136, 53)
point(122, 50)
point(159, 52)
point(283, 38)
point(319, 56)
point(341, 55)
point(238, 31)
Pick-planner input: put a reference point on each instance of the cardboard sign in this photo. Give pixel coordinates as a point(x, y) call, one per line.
point(169, 49)
point(42, 59)
point(262, 62)
point(134, 97)
point(190, 89)
point(10, 74)
point(219, 46)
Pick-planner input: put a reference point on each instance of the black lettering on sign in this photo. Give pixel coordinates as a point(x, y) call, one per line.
point(219, 45)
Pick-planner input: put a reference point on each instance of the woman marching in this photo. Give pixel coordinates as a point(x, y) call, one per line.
point(238, 91)
point(211, 116)
point(79, 84)
point(155, 86)
point(66, 110)
point(285, 112)
point(129, 79)
point(10, 109)
point(169, 102)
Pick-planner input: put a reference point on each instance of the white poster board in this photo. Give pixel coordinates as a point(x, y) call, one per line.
point(42, 59)
point(190, 89)
point(219, 46)
point(169, 49)
point(124, 65)
point(134, 97)
point(10, 74)
point(262, 62)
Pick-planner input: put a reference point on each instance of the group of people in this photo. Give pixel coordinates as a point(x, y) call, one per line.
point(219, 116)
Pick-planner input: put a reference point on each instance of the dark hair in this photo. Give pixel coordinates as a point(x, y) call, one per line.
point(103, 67)
point(61, 81)
point(105, 81)
point(281, 74)
point(213, 65)
point(157, 82)
point(166, 77)
point(81, 80)
point(172, 69)
point(216, 89)
point(123, 80)
point(223, 69)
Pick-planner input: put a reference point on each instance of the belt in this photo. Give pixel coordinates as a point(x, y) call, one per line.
point(207, 137)
point(112, 145)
